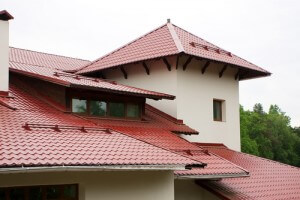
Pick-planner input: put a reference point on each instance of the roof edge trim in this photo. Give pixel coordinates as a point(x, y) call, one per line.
point(207, 177)
point(90, 168)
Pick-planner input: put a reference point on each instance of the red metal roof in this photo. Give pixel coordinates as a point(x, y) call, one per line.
point(71, 80)
point(268, 179)
point(158, 129)
point(42, 143)
point(52, 61)
point(164, 41)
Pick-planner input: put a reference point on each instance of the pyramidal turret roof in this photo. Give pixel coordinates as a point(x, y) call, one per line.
point(165, 41)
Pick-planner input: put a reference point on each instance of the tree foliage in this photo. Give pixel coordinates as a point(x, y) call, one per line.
point(269, 135)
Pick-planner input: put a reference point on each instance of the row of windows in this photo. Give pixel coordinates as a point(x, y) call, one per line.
point(106, 109)
point(53, 192)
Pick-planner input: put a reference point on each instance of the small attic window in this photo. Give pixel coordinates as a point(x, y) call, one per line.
point(133, 110)
point(98, 108)
point(79, 106)
point(117, 109)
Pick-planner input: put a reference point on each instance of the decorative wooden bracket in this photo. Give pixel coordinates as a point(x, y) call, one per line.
point(222, 71)
point(205, 67)
point(124, 72)
point(187, 62)
point(146, 68)
point(167, 64)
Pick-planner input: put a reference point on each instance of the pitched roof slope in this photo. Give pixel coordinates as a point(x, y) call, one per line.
point(268, 179)
point(45, 59)
point(35, 134)
point(164, 41)
point(70, 80)
point(158, 129)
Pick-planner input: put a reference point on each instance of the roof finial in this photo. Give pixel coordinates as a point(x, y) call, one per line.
point(168, 20)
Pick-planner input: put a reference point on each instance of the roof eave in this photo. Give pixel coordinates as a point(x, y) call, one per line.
point(63, 168)
point(154, 97)
point(212, 177)
point(262, 73)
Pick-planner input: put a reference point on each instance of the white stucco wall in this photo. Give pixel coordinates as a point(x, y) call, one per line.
point(103, 185)
point(194, 93)
point(189, 190)
point(4, 50)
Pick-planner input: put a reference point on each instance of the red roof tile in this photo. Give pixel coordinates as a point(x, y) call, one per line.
point(39, 144)
point(71, 80)
point(45, 60)
point(268, 179)
point(164, 41)
point(159, 131)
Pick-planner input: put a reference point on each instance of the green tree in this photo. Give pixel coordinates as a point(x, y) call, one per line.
point(270, 135)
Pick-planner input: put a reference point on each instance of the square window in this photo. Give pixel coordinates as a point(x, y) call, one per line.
point(79, 106)
point(218, 110)
point(98, 108)
point(133, 110)
point(116, 109)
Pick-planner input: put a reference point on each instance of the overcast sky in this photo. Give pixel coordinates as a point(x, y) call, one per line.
point(266, 33)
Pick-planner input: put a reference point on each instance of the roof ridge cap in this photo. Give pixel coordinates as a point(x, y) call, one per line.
point(175, 37)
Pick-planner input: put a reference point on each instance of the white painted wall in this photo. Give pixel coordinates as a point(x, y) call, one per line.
point(194, 93)
point(103, 185)
point(189, 190)
point(4, 53)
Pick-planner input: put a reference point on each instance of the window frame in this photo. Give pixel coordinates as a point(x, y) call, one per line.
point(107, 114)
point(222, 111)
point(44, 190)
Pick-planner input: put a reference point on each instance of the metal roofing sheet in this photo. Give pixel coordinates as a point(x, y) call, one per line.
point(268, 179)
point(71, 80)
point(164, 41)
point(45, 144)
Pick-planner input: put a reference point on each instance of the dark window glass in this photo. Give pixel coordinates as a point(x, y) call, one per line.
point(17, 194)
point(217, 110)
point(79, 106)
point(98, 108)
point(133, 110)
point(2, 194)
point(35, 193)
point(53, 193)
point(117, 109)
point(70, 191)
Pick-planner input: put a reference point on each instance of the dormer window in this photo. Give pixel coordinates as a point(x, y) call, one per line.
point(116, 109)
point(79, 106)
point(109, 109)
point(98, 108)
